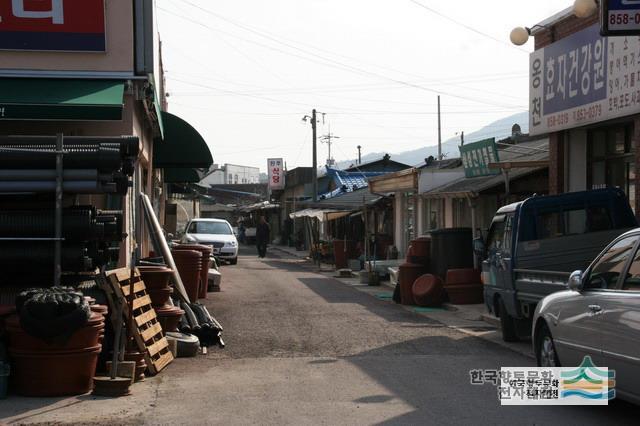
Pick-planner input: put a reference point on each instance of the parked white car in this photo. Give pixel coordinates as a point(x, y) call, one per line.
point(216, 233)
point(598, 316)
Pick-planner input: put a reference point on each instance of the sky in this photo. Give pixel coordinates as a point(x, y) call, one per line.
point(244, 73)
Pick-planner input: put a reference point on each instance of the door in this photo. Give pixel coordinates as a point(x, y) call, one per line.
point(620, 317)
point(498, 260)
point(579, 329)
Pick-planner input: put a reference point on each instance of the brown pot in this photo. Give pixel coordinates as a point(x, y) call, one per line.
point(141, 365)
point(189, 263)
point(160, 296)
point(86, 337)
point(169, 317)
point(463, 276)
point(428, 290)
point(422, 247)
point(51, 374)
point(204, 267)
point(408, 274)
point(465, 294)
point(155, 276)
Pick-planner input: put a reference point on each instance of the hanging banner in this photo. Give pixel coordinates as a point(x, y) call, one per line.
point(53, 25)
point(583, 79)
point(477, 156)
point(276, 173)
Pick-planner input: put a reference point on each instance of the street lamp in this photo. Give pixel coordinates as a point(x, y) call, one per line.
point(585, 8)
point(581, 9)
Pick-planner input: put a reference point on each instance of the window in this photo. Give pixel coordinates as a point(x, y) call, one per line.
point(508, 232)
point(611, 160)
point(218, 228)
point(606, 271)
point(495, 240)
point(575, 221)
point(632, 280)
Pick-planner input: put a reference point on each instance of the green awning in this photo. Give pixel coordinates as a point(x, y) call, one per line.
point(61, 99)
point(182, 147)
point(186, 175)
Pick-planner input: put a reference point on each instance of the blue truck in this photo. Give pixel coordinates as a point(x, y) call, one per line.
point(533, 246)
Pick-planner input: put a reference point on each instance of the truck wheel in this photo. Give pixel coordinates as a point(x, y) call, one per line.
point(507, 324)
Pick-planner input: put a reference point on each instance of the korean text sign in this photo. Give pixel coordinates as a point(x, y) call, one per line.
point(53, 25)
point(477, 156)
point(583, 79)
point(276, 173)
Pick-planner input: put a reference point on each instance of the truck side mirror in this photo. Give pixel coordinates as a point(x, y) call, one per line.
point(478, 247)
point(575, 281)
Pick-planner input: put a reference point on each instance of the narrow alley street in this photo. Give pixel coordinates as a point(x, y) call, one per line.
point(306, 349)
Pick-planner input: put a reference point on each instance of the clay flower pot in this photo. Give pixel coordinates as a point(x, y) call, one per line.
point(155, 276)
point(56, 373)
point(169, 317)
point(204, 267)
point(189, 263)
point(86, 337)
point(160, 296)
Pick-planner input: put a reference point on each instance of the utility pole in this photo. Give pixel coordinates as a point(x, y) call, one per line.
point(462, 139)
point(315, 155)
point(359, 154)
point(439, 133)
point(327, 139)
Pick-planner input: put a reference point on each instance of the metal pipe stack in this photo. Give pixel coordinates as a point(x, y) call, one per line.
point(91, 165)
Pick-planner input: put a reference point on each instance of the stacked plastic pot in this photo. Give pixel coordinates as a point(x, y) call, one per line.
point(203, 279)
point(415, 266)
point(54, 342)
point(156, 279)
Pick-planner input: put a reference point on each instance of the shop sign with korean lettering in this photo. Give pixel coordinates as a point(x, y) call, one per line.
point(477, 156)
point(276, 173)
point(583, 79)
point(53, 25)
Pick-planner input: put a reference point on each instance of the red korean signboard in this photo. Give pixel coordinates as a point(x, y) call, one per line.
point(53, 25)
point(276, 173)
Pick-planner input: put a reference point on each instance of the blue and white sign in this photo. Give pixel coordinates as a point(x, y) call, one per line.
point(582, 79)
point(621, 17)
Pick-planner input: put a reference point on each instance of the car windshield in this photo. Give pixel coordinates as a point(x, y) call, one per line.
point(220, 228)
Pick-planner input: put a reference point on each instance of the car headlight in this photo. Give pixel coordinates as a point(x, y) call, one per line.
point(230, 244)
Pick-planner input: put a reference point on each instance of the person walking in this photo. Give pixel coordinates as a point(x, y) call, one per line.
point(262, 237)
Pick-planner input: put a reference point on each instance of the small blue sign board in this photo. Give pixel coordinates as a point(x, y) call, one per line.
point(620, 17)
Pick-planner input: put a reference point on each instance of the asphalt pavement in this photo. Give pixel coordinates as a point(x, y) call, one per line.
point(306, 349)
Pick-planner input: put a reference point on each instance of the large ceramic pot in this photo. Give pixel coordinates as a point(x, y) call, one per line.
point(428, 290)
point(407, 275)
point(189, 263)
point(85, 337)
point(52, 374)
point(169, 317)
point(155, 276)
point(204, 267)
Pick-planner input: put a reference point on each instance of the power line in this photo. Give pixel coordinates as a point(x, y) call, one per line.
point(468, 27)
point(344, 67)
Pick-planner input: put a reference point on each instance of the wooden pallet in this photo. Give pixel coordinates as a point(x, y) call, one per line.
point(146, 329)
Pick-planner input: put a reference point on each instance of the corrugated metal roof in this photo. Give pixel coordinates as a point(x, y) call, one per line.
point(528, 151)
point(349, 201)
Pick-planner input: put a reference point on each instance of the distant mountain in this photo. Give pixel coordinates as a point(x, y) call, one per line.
point(499, 129)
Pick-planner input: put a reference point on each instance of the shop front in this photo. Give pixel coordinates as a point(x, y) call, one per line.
point(585, 92)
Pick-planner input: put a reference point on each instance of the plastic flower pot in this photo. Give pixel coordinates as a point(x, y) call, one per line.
point(408, 274)
point(169, 317)
point(86, 337)
point(160, 296)
point(204, 267)
point(52, 374)
point(428, 291)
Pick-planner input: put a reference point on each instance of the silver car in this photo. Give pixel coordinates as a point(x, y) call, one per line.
point(598, 316)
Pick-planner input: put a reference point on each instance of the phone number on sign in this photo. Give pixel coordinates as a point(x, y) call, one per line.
point(622, 18)
point(587, 113)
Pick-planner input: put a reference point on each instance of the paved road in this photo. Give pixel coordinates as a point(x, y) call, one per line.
point(306, 349)
point(303, 349)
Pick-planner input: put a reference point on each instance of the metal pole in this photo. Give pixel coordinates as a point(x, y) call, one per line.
point(439, 132)
point(57, 257)
point(359, 154)
point(315, 156)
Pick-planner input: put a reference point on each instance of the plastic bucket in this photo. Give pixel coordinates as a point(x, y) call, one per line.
point(4, 379)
